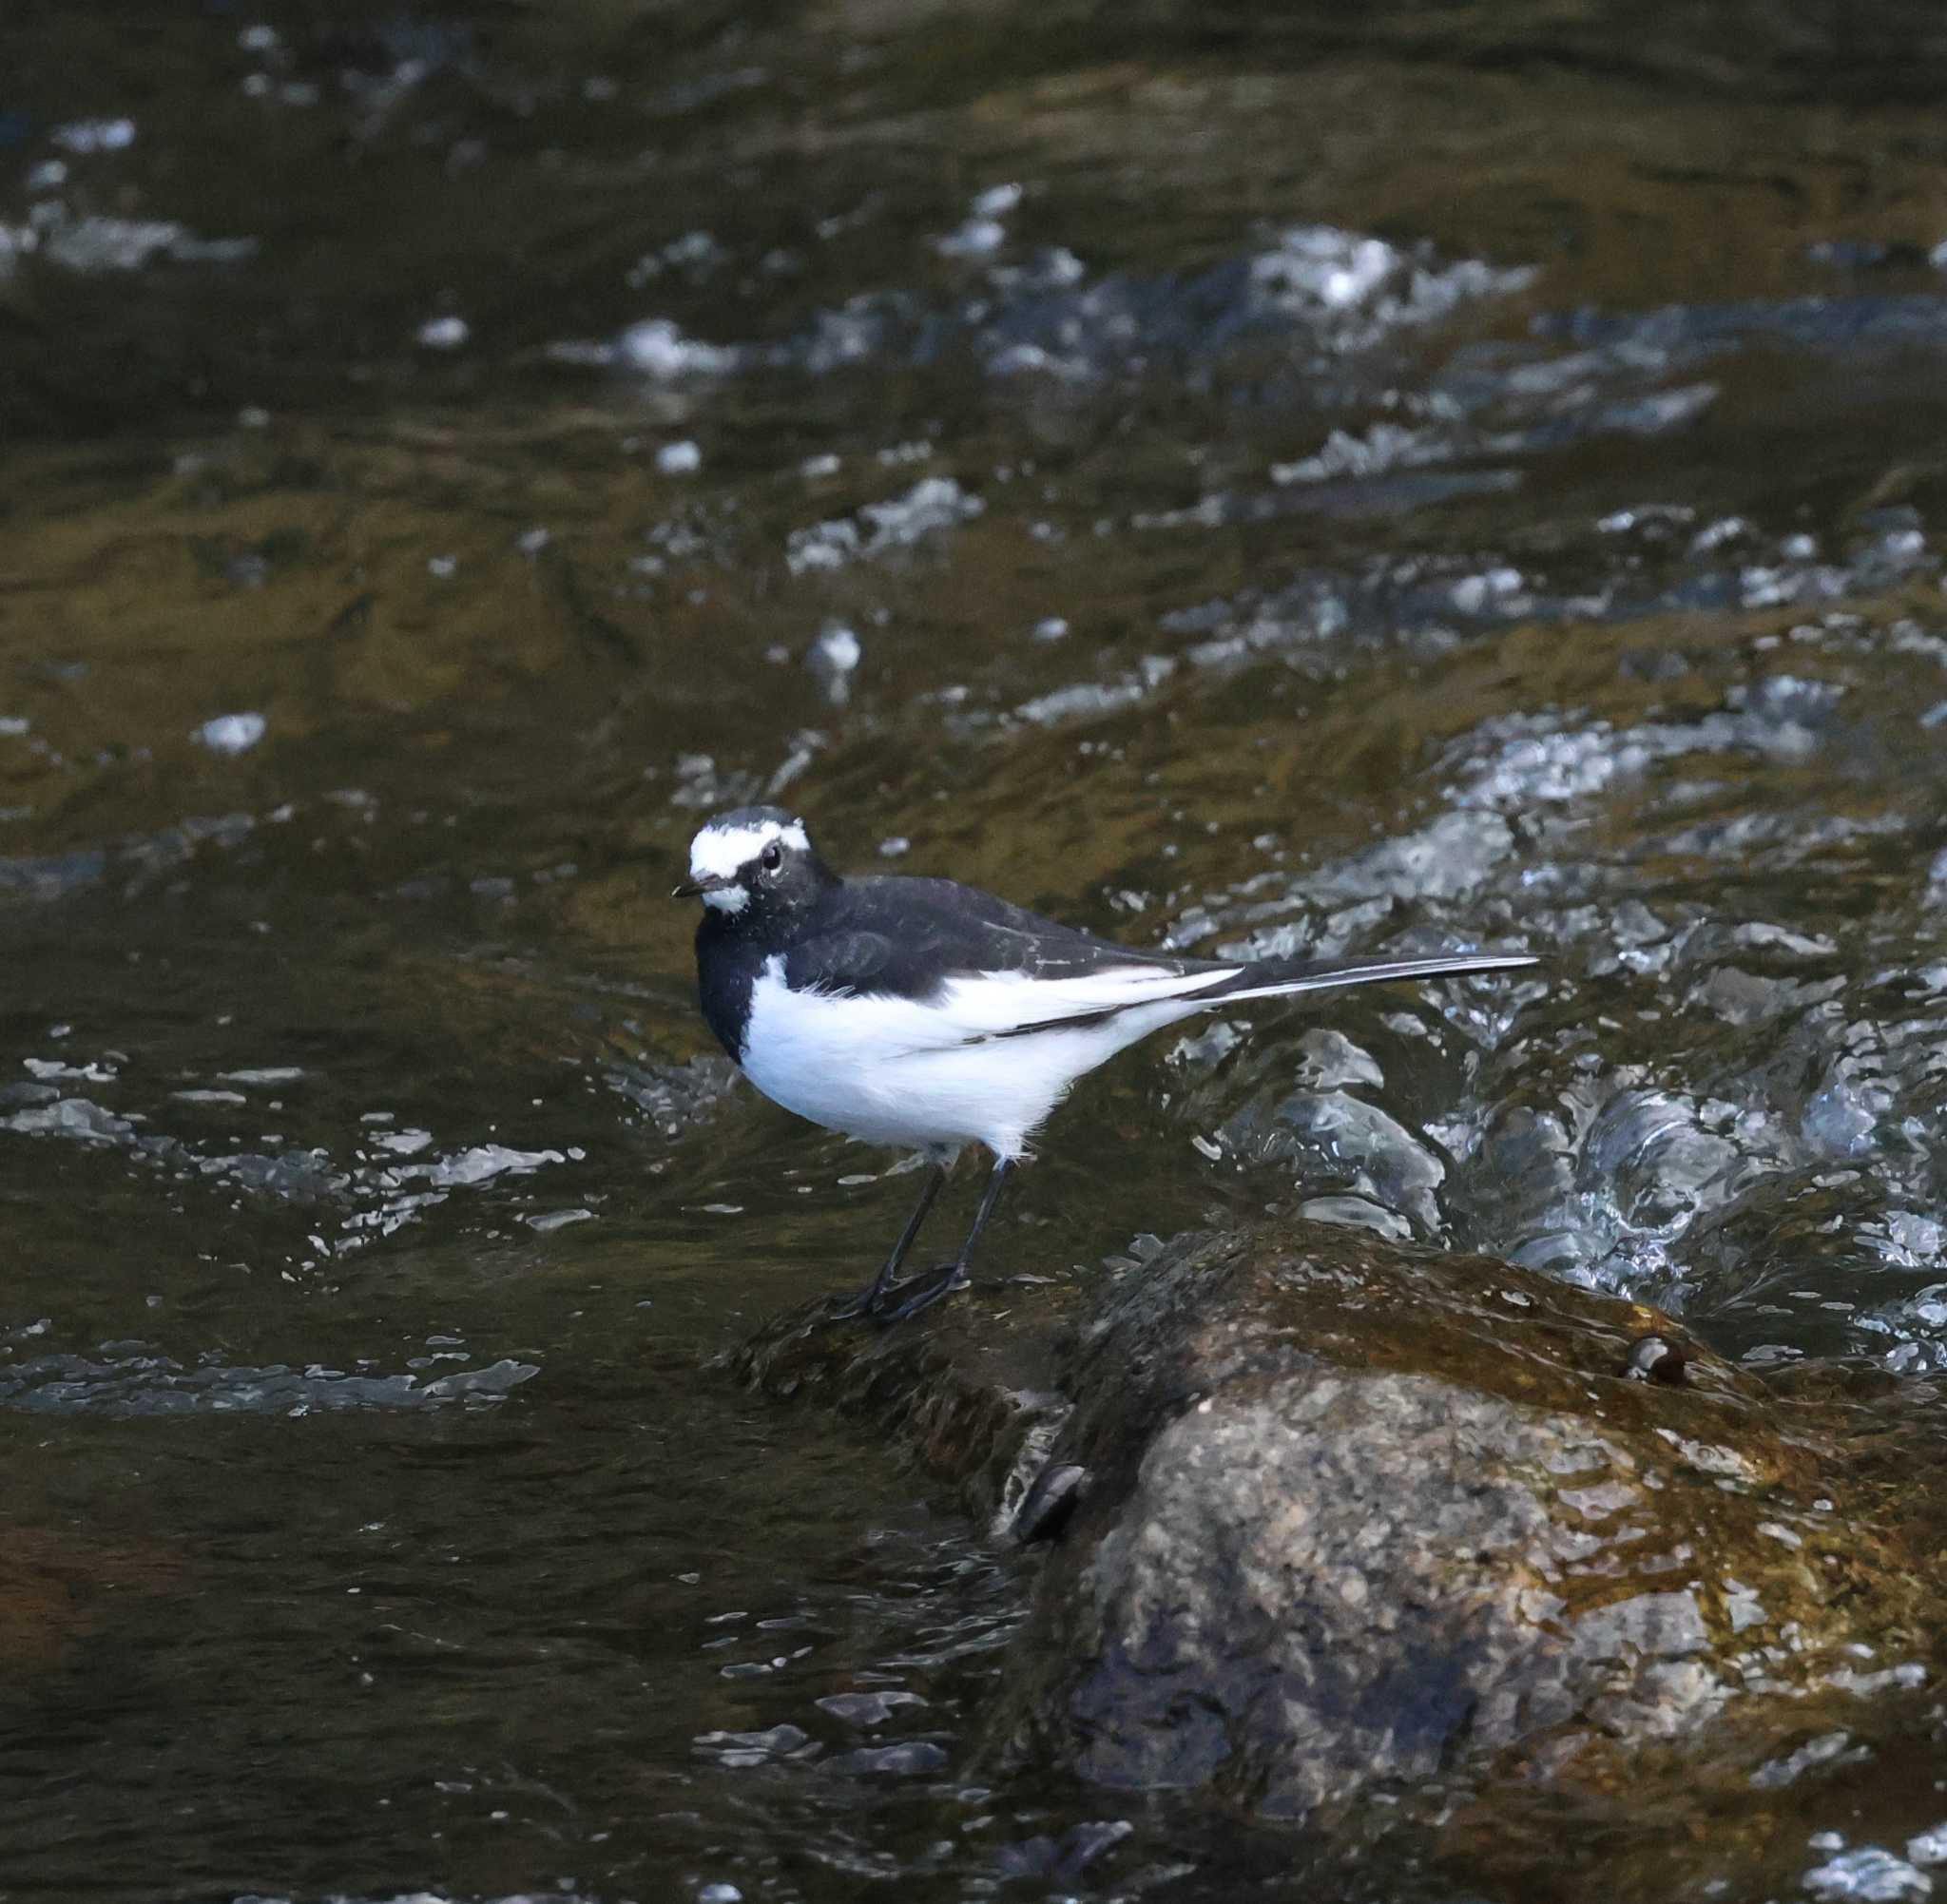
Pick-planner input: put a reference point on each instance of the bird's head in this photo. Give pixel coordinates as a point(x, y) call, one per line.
point(755, 861)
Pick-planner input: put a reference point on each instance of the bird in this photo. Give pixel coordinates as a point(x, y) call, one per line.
point(926, 1014)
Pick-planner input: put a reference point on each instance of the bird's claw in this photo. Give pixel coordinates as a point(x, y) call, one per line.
point(887, 1304)
point(942, 1280)
point(852, 1308)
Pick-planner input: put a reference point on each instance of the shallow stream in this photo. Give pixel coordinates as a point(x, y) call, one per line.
point(1230, 477)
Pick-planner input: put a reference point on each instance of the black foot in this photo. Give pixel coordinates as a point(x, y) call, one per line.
point(877, 1300)
point(950, 1277)
point(887, 1300)
point(859, 1308)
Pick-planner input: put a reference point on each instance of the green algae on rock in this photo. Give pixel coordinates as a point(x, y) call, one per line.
point(1366, 1521)
point(1365, 1513)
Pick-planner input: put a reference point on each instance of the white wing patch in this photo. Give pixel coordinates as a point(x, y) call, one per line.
point(718, 851)
point(990, 1005)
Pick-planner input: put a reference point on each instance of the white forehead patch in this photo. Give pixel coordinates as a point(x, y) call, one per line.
point(716, 853)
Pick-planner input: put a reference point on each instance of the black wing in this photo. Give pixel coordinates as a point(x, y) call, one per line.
point(848, 962)
point(904, 938)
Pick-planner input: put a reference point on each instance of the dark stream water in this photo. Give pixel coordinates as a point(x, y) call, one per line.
point(1231, 476)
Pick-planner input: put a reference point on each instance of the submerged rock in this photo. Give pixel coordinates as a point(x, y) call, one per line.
point(1371, 1521)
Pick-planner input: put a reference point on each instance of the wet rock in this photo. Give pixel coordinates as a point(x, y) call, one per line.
point(906, 1760)
point(866, 1709)
point(1061, 1860)
point(1367, 1516)
point(740, 1749)
point(970, 1398)
point(1656, 1358)
point(1372, 1532)
point(1051, 1501)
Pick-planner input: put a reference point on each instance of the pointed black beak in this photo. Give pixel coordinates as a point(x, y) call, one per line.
point(692, 889)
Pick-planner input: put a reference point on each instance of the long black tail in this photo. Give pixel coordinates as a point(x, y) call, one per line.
point(1282, 977)
point(1268, 978)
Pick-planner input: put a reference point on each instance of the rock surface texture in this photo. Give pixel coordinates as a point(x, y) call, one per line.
point(1365, 1513)
point(1368, 1524)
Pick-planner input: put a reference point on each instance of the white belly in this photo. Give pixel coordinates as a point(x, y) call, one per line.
point(891, 1070)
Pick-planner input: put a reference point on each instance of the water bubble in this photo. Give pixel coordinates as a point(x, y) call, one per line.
point(1868, 1875)
point(658, 348)
point(95, 135)
point(975, 237)
point(232, 733)
point(997, 202)
point(833, 659)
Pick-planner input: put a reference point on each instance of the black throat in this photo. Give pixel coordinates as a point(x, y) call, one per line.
point(728, 958)
point(731, 948)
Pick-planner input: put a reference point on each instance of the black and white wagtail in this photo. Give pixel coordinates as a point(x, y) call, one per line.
point(928, 1015)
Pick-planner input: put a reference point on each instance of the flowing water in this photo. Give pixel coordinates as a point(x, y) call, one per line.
point(1233, 477)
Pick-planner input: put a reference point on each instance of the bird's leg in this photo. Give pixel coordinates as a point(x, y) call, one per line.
point(872, 1298)
point(953, 1275)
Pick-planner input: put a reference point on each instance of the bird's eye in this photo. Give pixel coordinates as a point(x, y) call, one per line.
point(772, 858)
